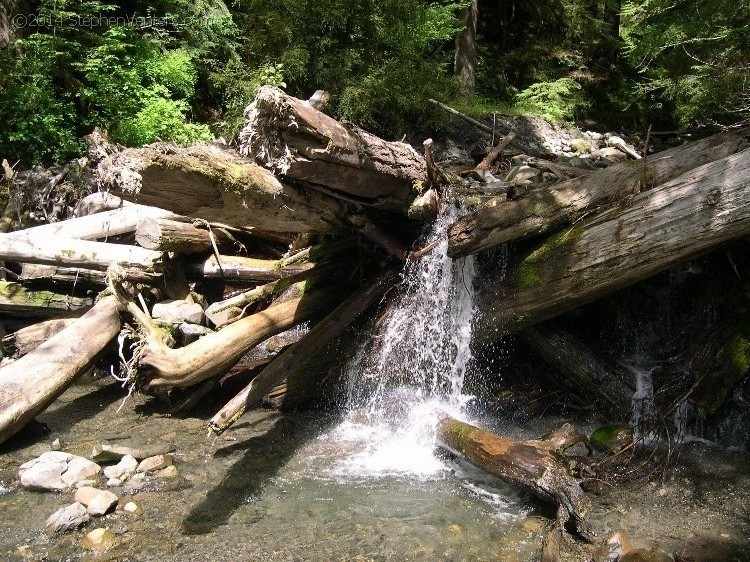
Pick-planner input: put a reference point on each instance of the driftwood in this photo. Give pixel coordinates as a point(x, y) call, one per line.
point(499, 221)
point(672, 223)
point(301, 351)
point(173, 236)
point(33, 382)
point(535, 466)
point(26, 339)
point(609, 387)
point(217, 185)
point(494, 154)
point(247, 269)
point(290, 137)
point(17, 300)
point(60, 275)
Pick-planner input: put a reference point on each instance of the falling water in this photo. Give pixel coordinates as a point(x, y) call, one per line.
point(413, 367)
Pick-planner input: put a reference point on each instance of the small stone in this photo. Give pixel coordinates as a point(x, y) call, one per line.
point(114, 483)
point(192, 332)
point(167, 472)
point(78, 469)
point(126, 467)
point(154, 463)
point(132, 508)
point(99, 540)
point(455, 529)
point(580, 162)
point(66, 519)
point(43, 477)
point(177, 312)
point(56, 445)
point(523, 173)
point(662, 492)
point(580, 145)
point(97, 502)
point(24, 551)
point(614, 546)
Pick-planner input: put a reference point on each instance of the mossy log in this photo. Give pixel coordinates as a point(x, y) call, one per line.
point(543, 210)
point(648, 233)
point(298, 353)
point(290, 137)
point(216, 184)
point(31, 383)
point(17, 300)
point(536, 466)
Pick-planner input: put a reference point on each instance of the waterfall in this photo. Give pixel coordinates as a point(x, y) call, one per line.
point(413, 366)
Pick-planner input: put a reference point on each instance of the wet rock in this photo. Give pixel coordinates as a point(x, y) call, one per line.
point(614, 546)
point(192, 332)
point(149, 484)
point(167, 472)
point(177, 312)
point(106, 453)
point(56, 471)
point(66, 519)
point(520, 174)
point(156, 462)
point(454, 155)
point(79, 469)
point(646, 555)
point(580, 145)
point(425, 207)
point(612, 438)
point(123, 469)
point(580, 162)
point(132, 509)
point(97, 502)
point(99, 540)
point(613, 154)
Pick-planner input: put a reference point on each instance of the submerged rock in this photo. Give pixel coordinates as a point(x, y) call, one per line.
point(68, 518)
point(97, 502)
point(106, 453)
point(156, 462)
point(646, 555)
point(123, 469)
point(99, 540)
point(613, 547)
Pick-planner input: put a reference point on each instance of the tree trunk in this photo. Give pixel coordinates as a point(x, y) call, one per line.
point(545, 209)
point(171, 236)
point(246, 269)
point(26, 339)
point(289, 137)
point(654, 231)
point(17, 300)
point(217, 185)
point(465, 62)
point(532, 465)
point(595, 381)
point(303, 350)
point(56, 275)
point(32, 383)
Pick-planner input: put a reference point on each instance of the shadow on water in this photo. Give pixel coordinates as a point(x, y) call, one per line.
point(264, 455)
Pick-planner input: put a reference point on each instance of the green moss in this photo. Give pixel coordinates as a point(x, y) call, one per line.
point(527, 276)
point(527, 273)
point(460, 433)
point(739, 352)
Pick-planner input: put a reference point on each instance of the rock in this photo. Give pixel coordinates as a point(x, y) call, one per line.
point(66, 519)
point(646, 555)
point(519, 160)
point(114, 483)
point(593, 135)
point(105, 452)
point(79, 469)
point(56, 471)
point(132, 509)
point(97, 502)
point(613, 154)
point(192, 332)
point(84, 483)
point(56, 445)
point(614, 546)
point(426, 206)
point(454, 155)
point(495, 188)
point(580, 145)
point(177, 312)
point(580, 162)
point(123, 469)
point(99, 540)
point(519, 174)
point(167, 472)
point(612, 438)
point(154, 463)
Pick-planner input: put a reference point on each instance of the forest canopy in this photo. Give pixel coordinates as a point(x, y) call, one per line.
point(184, 71)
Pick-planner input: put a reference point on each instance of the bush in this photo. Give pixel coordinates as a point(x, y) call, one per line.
point(557, 101)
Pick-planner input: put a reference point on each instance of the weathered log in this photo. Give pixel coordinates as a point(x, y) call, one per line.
point(26, 339)
point(231, 309)
point(57, 275)
point(215, 353)
point(656, 229)
point(607, 385)
point(217, 185)
point(290, 137)
point(31, 383)
point(495, 153)
point(27, 247)
point(18, 300)
point(499, 221)
point(533, 465)
point(297, 354)
point(173, 236)
point(247, 269)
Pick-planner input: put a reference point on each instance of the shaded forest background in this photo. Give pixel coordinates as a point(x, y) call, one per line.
point(179, 70)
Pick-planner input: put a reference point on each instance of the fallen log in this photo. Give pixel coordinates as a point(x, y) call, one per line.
point(540, 211)
point(535, 466)
point(217, 185)
point(656, 229)
point(215, 353)
point(26, 339)
point(290, 137)
point(246, 269)
point(57, 275)
point(172, 236)
point(606, 385)
point(17, 300)
point(30, 384)
point(301, 351)
point(494, 154)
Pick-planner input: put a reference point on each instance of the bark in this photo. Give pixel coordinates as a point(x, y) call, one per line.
point(58, 275)
point(17, 300)
point(231, 309)
point(654, 231)
point(31, 383)
point(585, 375)
point(215, 353)
point(532, 465)
point(31, 247)
point(247, 269)
point(172, 236)
point(292, 138)
point(465, 62)
point(297, 354)
point(542, 210)
point(217, 185)
point(26, 339)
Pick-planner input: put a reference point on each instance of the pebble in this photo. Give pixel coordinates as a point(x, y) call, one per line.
point(114, 483)
point(99, 540)
point(156, 462)
point(97, 502)
point(131, 508)
point(68, 518)
point(56, 445)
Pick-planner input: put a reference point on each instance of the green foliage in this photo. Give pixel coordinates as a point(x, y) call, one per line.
point(557, 101)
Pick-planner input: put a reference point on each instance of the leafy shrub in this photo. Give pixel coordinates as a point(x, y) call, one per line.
point(557, 101)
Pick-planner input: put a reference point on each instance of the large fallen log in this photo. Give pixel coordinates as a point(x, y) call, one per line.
point(535, 466)
point(656, 229)
point(543, 210)
point(31, 383)
point(292, 138)
point(17, 300)
point(585, 375)
point(297, 354)
point(217, 185)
